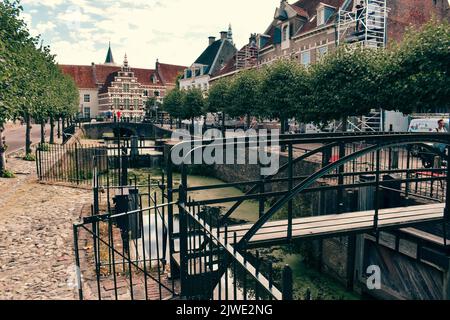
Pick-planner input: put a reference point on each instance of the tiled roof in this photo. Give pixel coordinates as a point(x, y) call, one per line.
point(169, 72)
point(310, 6)
point(82, 75)
point(94, 75)
point(207, 57)
point(230, 66)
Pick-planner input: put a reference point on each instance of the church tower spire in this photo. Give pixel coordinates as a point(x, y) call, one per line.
point(109, 56)
point(230, 34)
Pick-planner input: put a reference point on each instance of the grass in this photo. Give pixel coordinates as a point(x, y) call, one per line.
point(7, 174)
point(29, 157)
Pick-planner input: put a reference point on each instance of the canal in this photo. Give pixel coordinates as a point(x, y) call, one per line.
point(307, 278)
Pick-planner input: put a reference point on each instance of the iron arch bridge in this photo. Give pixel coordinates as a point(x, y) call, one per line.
point(327, 185)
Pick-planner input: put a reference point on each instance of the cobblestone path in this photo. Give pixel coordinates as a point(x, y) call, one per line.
point(36, 246)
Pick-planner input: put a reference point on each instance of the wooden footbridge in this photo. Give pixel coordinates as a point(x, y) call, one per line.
point(336, 225)
point(365, 182)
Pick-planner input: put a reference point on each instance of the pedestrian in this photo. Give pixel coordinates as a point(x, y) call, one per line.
point(359, 14)
point(440, 146)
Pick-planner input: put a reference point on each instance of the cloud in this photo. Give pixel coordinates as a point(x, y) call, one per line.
point(44, 27)
point(174, 31)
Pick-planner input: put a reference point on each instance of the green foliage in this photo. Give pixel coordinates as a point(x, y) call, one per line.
point(416, 73)
point(282, 100)
point(7, 174)
point(245, 98)
point(173, 103)
point(193, 104)
point(219, 95)
point(32, 86)
point(29, 157)
point(344, 84)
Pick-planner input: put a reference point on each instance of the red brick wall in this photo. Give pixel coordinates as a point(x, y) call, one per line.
point(405, 13)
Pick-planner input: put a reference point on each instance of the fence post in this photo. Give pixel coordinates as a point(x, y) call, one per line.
point(287, 283)
point(184, 286)
point(377, 191)
point(291, 185)
point(77, 170)
point(447, 199)
point(77, 262)
point(124, 167)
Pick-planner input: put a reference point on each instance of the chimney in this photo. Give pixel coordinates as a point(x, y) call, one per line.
point(223, 35)
point(211, 40)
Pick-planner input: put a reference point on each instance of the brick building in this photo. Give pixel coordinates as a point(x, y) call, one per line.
point(108, 88)
point(307, 29)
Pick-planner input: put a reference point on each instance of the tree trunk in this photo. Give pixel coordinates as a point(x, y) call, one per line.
point(2, 152)
point(248, 121)
point(42, 132)
point(59, 128)
point(28, 135)
point(193, 128)
point(52, 130)
point(63, 123)
point(223, 124)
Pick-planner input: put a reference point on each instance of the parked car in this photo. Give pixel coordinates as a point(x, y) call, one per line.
point(425, 125)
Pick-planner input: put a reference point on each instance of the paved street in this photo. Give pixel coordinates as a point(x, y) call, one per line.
point(15, 136)
point(36, 246)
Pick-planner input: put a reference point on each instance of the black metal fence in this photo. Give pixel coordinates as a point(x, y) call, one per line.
point(128, 246)
point(74, 163)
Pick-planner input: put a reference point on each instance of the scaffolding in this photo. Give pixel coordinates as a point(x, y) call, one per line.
point(366, 27)
point(248, 56)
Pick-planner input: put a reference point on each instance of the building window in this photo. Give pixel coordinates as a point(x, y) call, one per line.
point(145, 93)
point(126, 87)
point(87, 112)
point(127, 103)
point(285, 33)
point(321, 51)
point(116, 103)
point(306, 58)
point(156, 93)
point(136, 103)
point(87, 98)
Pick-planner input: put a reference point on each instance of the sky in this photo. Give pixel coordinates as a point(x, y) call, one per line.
point(173, 31)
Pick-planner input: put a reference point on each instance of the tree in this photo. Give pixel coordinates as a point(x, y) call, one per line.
point(285, 88)
point(415, 75)
point(173, 104)
point(193, 105)
point(14, 36)
point(219, 98)
point(344, 84)
point(245, 95)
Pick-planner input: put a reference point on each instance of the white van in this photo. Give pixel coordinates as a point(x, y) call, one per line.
point(426, 125)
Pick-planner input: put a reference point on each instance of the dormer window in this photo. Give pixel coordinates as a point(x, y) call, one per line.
point(320, 16)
